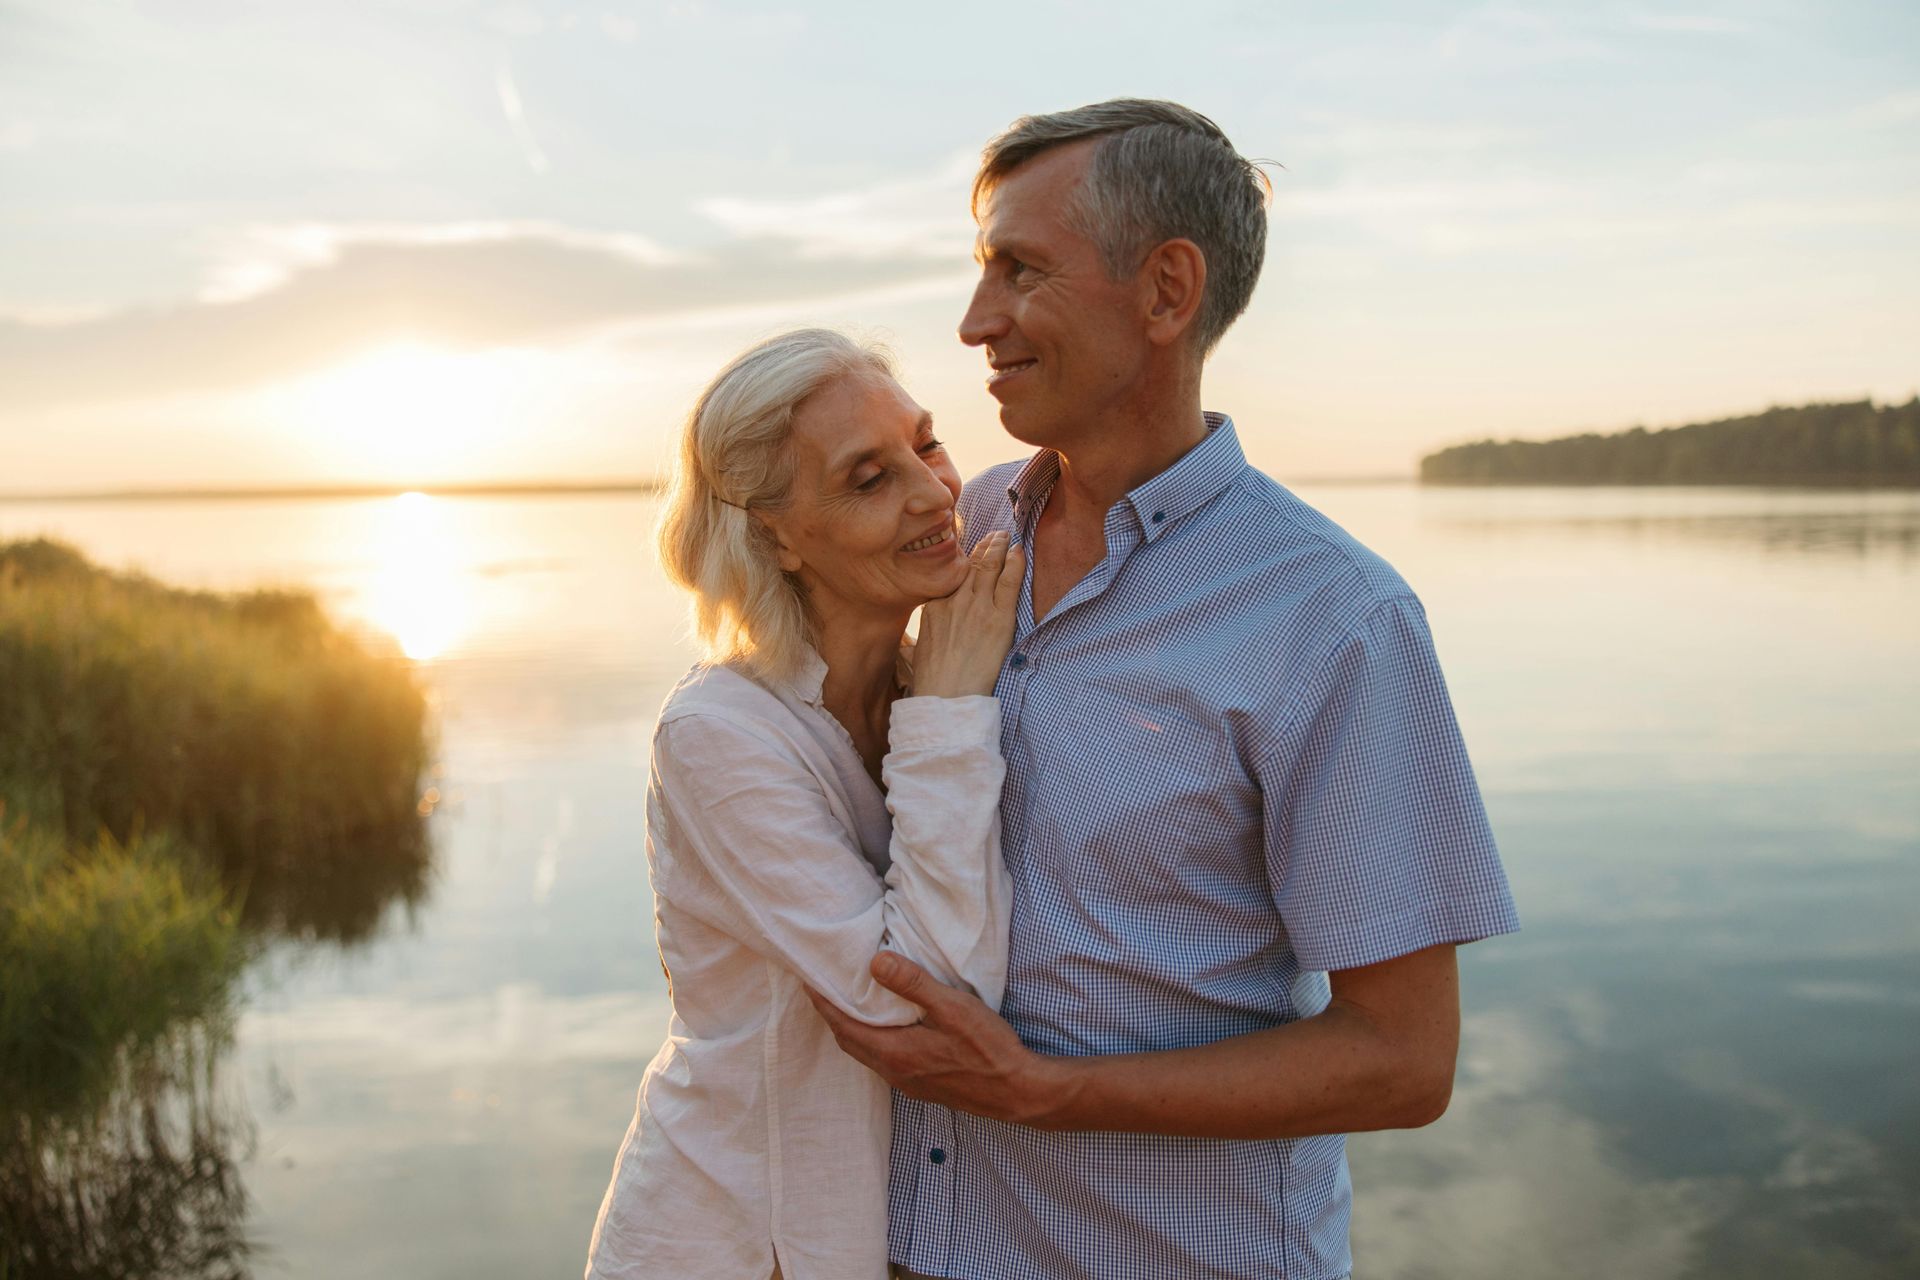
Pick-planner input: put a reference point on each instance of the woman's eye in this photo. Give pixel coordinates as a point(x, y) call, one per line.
point(932, 446)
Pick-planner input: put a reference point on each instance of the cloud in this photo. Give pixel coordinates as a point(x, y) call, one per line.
point(922, 216)
point(1895, 108)
point(516, 113)
point(295, 299)
point(262, 258)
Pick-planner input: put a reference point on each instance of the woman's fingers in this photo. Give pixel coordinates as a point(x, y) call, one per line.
point(991, 551)
point(988, 557)
point(1013, 570)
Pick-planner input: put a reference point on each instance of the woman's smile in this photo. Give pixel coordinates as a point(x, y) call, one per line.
point(936, 545)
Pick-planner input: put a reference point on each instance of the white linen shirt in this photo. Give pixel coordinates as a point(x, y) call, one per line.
point(775, 868)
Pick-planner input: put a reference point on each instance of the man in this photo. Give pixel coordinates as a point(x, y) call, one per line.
point(1242, 827)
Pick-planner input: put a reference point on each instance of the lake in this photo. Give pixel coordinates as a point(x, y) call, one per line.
point(1695, 714)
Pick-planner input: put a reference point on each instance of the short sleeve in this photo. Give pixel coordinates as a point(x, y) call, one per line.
point(1377, 840)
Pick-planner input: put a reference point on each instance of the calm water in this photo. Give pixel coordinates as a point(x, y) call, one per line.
point(1696, 716)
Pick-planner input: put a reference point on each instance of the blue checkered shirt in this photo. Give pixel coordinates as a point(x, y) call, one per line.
point(1231, 766)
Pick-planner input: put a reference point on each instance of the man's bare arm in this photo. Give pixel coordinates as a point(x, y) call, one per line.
point(1381, 1056)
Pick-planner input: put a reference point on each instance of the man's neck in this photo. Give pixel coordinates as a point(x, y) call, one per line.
point(1103, 465)
point(1122, 452)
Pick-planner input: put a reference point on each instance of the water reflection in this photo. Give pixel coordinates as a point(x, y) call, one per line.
point(345, 898)
point(1840, 534)
point(150, 1182)
point(1698, 1063)
point(419, 592)
point(148, 1186)
point(1833, 522)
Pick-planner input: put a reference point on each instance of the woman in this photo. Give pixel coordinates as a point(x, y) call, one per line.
point(812, 511)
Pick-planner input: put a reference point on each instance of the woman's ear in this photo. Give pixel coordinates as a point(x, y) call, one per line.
point(1175, 279)
point(788, 559)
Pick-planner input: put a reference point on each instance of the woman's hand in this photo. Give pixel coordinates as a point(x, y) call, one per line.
point(965, 636)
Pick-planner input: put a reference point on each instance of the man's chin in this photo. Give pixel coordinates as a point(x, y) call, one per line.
point(1027, 427)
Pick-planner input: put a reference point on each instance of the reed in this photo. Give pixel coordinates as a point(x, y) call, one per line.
point(108, 951)
point(283, 752)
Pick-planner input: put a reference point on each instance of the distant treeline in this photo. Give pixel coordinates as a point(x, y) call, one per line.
point(1853, 443)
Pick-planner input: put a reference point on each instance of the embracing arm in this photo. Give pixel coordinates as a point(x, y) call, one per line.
point(1380, 1056)
point(949, 896)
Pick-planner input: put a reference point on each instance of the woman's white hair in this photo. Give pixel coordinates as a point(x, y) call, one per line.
point(735, 460)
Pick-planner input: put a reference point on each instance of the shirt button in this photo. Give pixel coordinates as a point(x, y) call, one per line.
point(937, 1155)
point(1017, 661)
point(1158, 516)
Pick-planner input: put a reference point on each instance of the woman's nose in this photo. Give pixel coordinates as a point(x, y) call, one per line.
point(930, 492)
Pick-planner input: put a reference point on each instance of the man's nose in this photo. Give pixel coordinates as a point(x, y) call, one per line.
point(985, 319)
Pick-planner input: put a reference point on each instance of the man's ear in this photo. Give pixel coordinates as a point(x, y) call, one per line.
point(1174, 277)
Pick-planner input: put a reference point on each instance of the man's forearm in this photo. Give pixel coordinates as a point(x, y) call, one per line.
point(1333, 1073)
point(1380, 1057)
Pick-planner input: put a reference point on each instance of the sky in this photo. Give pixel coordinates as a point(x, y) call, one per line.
point(433, 241)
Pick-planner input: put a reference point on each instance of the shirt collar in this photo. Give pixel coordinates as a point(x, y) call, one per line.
point(809, 680)
point(1199, 476)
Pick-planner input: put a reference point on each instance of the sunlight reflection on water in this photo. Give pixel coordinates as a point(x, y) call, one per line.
point(422, 592)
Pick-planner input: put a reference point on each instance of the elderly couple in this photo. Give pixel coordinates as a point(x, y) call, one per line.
point(1138, 877)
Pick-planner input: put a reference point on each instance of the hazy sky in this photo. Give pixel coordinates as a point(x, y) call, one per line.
point(434, 240)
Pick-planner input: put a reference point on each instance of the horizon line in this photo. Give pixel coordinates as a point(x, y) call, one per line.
point(477, 488)
point(471, 489)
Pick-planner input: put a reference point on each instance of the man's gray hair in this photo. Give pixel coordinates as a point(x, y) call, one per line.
point(1160, 172)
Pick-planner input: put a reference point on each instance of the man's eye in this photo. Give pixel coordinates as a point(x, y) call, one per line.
point(1015, 268)
point(871, 483)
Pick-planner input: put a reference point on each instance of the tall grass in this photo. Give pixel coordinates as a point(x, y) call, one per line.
point(107, 949)
point(284, 752)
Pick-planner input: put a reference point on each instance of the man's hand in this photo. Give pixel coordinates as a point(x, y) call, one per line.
point(961, 1054)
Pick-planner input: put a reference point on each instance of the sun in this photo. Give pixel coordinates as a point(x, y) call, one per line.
point(406, 411)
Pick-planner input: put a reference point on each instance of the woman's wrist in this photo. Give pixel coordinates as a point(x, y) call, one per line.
point(940, 685)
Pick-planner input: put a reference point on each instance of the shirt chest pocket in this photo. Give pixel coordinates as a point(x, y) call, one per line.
point(1130, 764)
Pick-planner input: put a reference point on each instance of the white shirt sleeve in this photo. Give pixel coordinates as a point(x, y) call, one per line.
point(765, 831)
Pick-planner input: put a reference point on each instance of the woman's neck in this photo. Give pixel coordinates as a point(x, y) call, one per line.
point(861, 654)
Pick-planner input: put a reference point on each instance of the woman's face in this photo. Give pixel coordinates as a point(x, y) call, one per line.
point(868, 526)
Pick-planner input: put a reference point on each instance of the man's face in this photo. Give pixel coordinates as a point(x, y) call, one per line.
point(1064, 341)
